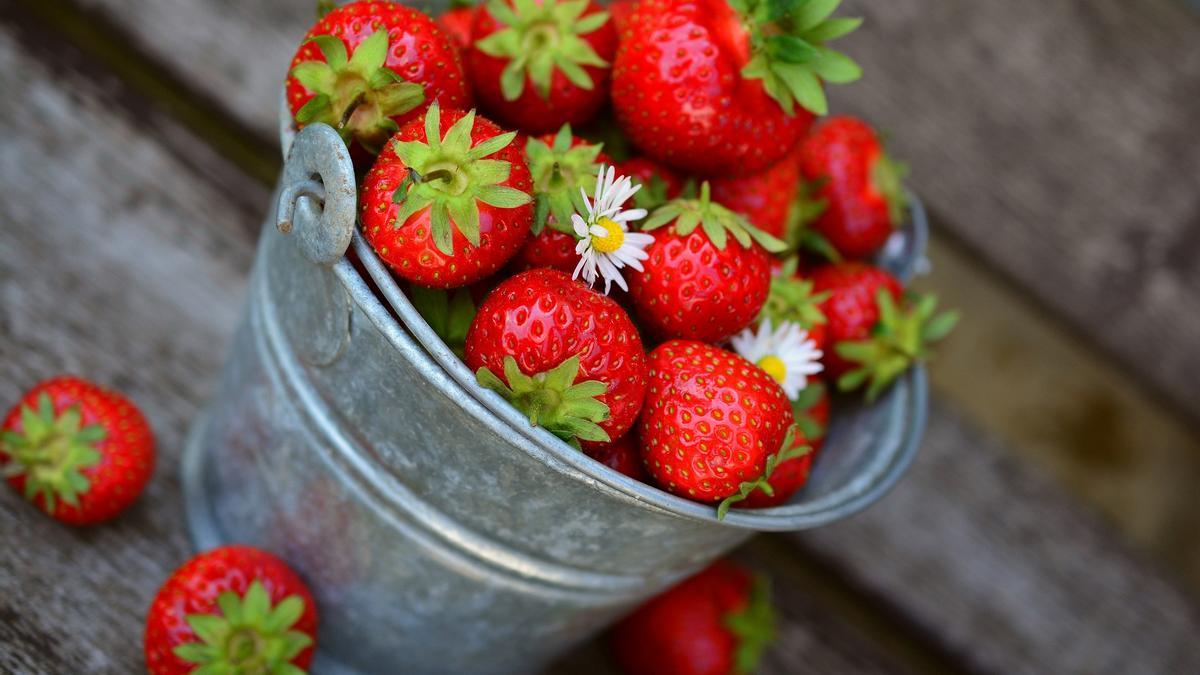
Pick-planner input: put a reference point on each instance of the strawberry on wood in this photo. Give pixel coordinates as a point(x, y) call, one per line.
point(234, 609)
point(79, 452)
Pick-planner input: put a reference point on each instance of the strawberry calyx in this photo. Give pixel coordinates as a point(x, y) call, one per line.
point(356, 94)
point(791, 299)
point(810, 396)
point(716, 220)
point(786, 452)
point(560, 170)
point(51, 452)
point(900, 337)
point(754, 627)
point(653, 193)
point(448, 313)
point(450, 177)
point(788, 42)
point(887, 175)
point(537, 38)
point(249, 635)
point(553, 400)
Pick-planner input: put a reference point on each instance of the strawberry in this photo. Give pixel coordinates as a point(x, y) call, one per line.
point(766, 198)
point(563, 167)
point(875, 332)
point(234, 609)
point(792, 299)
point(717, 622)
point(457, 21)
point(712, 86)
point(79, 452)
point(560, 352)
point(621, 10)
point(696, 284)
point(620, 455)
point(368, 68)
point(446, 203)
point(710, 422)
point(659, 184)
point(858, 183)
point(811, 410)
point(538, 64)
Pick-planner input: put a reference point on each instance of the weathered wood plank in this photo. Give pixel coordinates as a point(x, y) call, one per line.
point(1058, 139)
point(1010, 574)
point(124, 260)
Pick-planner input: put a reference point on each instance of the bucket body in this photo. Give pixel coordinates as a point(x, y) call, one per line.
point(439, 532)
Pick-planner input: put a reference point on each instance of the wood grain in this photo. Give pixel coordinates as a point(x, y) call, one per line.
point(1008, 572)
point(1058, 140)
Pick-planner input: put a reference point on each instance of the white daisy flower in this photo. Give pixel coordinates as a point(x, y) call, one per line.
point(605, 242)
point(786, 354)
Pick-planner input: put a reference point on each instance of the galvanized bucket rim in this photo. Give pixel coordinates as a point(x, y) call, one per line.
point(848, 499)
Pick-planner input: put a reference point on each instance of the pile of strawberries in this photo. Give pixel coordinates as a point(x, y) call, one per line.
point(626, 221)
point(629, 225)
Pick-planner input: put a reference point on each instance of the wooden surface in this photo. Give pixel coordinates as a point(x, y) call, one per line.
point(127, 235)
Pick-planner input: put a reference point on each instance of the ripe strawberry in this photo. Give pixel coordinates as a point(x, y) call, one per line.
point(457, 21)
point(710, 421)
point(766, 198)
point(539, 64)
point(659, 184)
point(620, 455)
point(792, 299)
point(565, 355)
point(811, 410)
point(717, 622)
point(368, 68)
point(79, 452)
point(439, 213)
point(621, 10)
point(874, 338)
point(711, 86)
point(696, 284)
point(561, 165)
point(859, 184)
point(234, 609)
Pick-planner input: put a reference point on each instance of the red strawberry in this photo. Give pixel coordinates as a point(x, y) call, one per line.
point(79, 452)
point(562, 353)
point(875, 336)
point(712, 90)
point(696, 284)
point(659, 184)
point(620, 455)
point(710, 421)
point(539, 64)
point(717, 622)
point(367, 68)
point(792, 299)
point(234, 609)
point(858, 183)
point(457, 21)
point(561, 165)
point(621, 10)
point(811, 410)
point(447, 203)
point(766, 198)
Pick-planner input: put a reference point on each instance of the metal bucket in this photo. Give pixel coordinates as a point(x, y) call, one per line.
point(440, 532)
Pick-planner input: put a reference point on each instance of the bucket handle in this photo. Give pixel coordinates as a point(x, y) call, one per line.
point(318, 195)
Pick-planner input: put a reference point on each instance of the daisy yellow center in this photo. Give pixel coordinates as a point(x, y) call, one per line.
point(774, 366)
point(612, 240)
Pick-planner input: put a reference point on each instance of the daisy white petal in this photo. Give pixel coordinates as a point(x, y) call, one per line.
point(605, 243)
point(787, 353)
